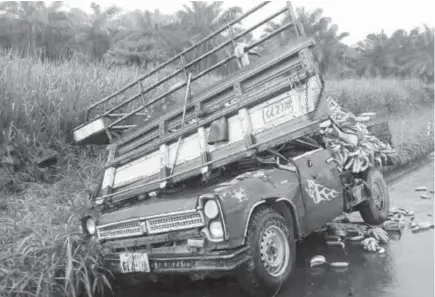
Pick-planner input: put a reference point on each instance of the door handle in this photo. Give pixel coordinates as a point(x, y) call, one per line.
point(309, 163)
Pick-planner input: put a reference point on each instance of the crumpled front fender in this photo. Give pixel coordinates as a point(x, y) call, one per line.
point(240, 197)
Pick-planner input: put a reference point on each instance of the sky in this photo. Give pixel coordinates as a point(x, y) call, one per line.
point(358, 17)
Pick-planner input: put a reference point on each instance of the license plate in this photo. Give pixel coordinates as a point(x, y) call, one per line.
point(174, 264)
point(278, 109)
point(134, 262)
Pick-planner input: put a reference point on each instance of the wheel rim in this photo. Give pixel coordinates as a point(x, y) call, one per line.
point(377, 196)
point(275, 251)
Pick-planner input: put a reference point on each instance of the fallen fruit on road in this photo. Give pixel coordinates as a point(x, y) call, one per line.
point(370, 244)
point(339, 264)
point(332, 238)
point(317, 260)
point(421, 189)
point(336, 243)
point(379, 234)
point(320, 260)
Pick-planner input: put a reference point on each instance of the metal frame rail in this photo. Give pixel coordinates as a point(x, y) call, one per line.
point(120, 117)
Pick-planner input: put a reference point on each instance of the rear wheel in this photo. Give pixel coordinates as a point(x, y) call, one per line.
point(273, 253)
point(375, 210)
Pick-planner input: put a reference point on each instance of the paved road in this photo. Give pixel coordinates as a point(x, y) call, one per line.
point(406, 269)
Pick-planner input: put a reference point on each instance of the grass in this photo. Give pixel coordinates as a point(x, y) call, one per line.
point(413, 134)
point(41, 103)
point(41, 251)
point(384, 96)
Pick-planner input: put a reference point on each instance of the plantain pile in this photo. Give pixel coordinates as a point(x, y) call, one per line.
point(352, 145)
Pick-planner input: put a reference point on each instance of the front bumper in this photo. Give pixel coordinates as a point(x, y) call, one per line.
point(185, 263)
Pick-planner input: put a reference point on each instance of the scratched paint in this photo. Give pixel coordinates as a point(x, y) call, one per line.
point(240, 195)
point(319, 193)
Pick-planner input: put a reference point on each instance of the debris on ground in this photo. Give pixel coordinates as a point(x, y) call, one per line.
point(378, 234)
point(48, 158)
point(371, 244)
point(424, 196)
point(422, 226)
point(421, 189)
point(320, 260)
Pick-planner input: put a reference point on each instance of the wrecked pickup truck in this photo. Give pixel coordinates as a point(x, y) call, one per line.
point(228, 181)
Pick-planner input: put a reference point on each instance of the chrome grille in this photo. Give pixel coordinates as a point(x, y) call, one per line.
point(120, 230)
point(174, 222)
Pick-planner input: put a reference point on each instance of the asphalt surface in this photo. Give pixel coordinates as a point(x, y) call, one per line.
point(405, 269)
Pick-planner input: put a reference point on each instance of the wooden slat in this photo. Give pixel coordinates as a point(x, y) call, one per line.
point(244, 116)
point(109, 174)
point(203, 147)
point(164, 164)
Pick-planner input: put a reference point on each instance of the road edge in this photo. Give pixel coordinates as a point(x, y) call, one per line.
point(393, 175)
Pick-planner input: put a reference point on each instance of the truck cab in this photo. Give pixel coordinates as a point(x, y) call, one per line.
point(227, 181)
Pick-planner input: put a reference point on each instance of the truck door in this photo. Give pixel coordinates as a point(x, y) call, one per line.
point(321, 187)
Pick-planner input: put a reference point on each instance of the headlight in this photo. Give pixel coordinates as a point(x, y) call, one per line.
point(216, 229)
point(211, 209)
point(90, 226)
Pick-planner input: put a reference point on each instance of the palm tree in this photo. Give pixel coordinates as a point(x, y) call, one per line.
point(31, 24)
point(329, 49)
point(93, 34)
point(420, 60)
point(377, 59)
point(143, 37)
point(202, 18)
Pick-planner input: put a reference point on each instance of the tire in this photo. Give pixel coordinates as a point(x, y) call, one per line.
point(267, 225)
point(375, 210)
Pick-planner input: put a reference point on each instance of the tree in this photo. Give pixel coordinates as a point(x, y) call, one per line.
point(420, 60)
point(329, 49)
point(143, 37)
point(31, 25)
point(202, 18)
point(93, 35)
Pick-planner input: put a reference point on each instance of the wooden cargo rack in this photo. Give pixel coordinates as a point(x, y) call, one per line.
point(269, 102)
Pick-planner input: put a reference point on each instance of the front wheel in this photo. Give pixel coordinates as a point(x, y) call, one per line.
point(375, 210)
point(273, 253)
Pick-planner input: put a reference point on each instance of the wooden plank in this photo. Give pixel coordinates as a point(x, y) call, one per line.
point(109, 174)
point(203, 149)
point(244, 116)
point(164, 163)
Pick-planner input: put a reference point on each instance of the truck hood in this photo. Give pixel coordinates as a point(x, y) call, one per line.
point(183, 200)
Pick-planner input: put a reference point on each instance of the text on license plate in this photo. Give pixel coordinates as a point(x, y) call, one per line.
point(134, 262)
point(174, 264)
point(278, 109)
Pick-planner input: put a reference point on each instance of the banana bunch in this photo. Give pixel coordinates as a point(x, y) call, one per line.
point(372, 245)
point(379, 234)
point(352, 145)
